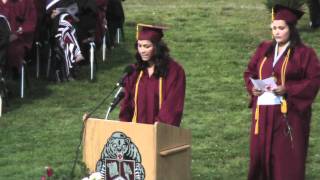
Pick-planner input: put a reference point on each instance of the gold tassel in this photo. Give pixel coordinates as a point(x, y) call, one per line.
point(256, 117)
point(272, 15)
point(256, 130)
point(160, 93)
point(284, 108)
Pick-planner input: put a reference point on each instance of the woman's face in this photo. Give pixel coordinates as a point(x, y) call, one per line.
point(280, 31)
point(146, 49)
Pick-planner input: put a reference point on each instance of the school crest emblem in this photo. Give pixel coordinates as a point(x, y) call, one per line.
point(120, 159)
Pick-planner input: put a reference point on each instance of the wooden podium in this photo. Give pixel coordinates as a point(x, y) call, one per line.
point(165, 150)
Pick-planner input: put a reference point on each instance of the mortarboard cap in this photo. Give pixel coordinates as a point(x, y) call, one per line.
point(287, 14)
point(150, 32)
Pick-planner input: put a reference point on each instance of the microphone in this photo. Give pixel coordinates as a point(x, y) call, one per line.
point(126, 72)
point(119, 94)
point(117, 98)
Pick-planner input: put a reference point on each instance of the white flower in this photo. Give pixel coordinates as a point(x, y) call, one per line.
point(95, 176)
point(85, 178)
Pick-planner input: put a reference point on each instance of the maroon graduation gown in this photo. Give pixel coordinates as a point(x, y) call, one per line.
point(148, 97)
point(4, 9)
point(22, 13)
point(100, 29)
point(272, 155)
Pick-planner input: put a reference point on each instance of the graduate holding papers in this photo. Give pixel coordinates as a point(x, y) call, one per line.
point(282, 79)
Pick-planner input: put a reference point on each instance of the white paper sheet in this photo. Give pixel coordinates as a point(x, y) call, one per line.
point(266, 85)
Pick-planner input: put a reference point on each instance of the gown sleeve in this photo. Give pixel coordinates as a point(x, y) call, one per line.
point(302, 92)
point(126, 106)
point(172, 106)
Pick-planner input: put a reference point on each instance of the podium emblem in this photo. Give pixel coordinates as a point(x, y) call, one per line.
point(120, 159)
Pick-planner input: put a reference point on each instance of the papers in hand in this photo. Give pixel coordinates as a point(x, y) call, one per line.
point(266, 85)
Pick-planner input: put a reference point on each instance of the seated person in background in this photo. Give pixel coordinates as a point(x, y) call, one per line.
point(101, 24)
point(155, 91)
point(314, 9)
point(22, 18)
point(92, 24)
point(115, 19)
point(62, 20)
point(4, 41)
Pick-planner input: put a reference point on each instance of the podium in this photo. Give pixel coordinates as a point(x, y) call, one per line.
point(163, 151)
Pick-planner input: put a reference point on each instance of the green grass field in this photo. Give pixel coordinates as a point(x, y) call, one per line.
point(212, 39)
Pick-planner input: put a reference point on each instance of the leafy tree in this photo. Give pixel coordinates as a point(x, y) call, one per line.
point(294, 4)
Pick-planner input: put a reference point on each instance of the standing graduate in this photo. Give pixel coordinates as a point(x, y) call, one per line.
point(281, 115)
point(155, 91)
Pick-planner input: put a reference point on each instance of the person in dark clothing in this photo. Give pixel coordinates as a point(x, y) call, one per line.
point(86, 25)
point(90, 27)
point(4, 43)
point(4, 40)
point(115, 19)
point(314, 9)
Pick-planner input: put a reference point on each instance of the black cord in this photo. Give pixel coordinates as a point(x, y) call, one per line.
point(83, 130)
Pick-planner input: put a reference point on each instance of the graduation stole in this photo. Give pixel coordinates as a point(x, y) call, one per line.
point(135, 115)
point(284, 108)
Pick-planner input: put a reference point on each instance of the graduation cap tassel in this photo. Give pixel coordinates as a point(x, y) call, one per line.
point(272, 14)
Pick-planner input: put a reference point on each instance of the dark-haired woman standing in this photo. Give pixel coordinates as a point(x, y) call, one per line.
point(280, 128)
point(156, 89)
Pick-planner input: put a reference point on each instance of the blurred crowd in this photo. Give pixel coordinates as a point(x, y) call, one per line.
point(58, 32)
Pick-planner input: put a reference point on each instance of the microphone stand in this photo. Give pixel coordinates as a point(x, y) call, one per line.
point(119, 84)
point(83, 129)
point(112, 104)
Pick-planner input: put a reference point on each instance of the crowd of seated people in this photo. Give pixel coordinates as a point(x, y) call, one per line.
point(65, 27)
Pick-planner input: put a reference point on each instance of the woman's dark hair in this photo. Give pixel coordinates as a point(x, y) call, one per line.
point(160, 59)
point(294, 39)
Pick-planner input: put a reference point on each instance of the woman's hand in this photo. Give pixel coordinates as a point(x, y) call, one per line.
point(279, 91)
point(257, 92)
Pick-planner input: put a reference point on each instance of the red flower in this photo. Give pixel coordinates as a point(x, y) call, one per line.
point(49, 171)
point(43, 178)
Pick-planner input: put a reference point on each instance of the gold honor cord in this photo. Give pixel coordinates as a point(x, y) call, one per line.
point(134, 119)
point(256, 116)
point(284, 108)
point(283, 102)
point(272, 19)
point(135, 115)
